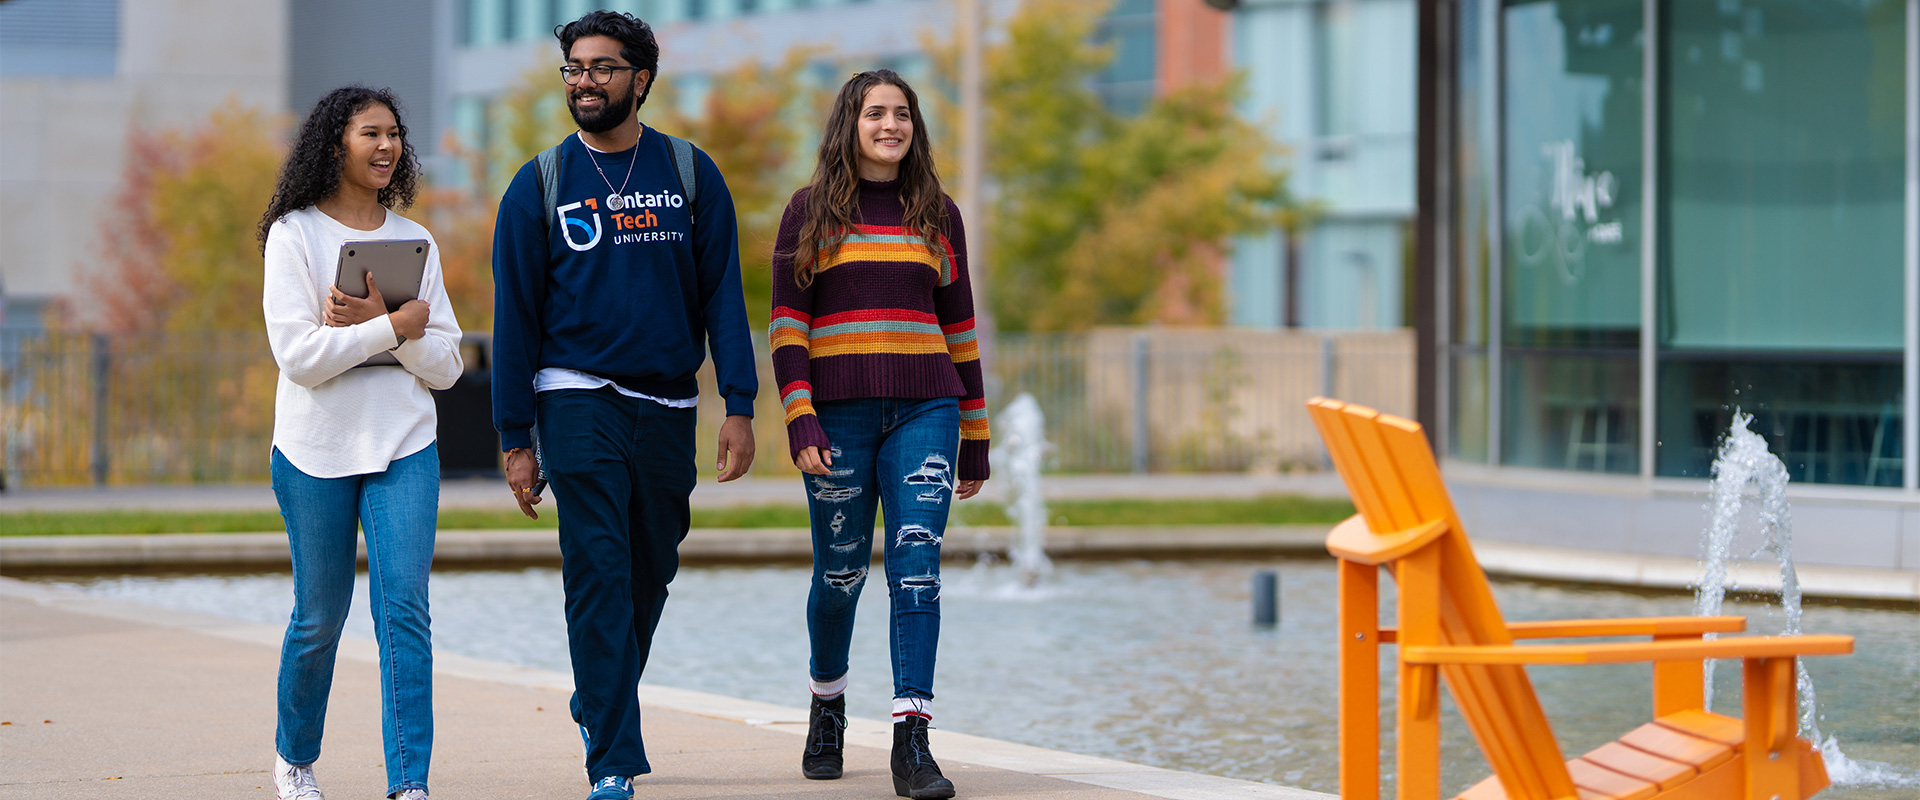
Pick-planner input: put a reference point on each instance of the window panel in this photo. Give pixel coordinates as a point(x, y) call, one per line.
point(1784, 161)
point(1571, 233)
point(1783, 258)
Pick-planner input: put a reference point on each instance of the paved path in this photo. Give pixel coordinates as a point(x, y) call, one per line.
point(480, 493)
point(109, 699)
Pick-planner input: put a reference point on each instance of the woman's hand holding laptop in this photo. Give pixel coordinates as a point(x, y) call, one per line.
point(409, 321)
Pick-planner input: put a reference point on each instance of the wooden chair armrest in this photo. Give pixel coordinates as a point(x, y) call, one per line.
point(1623, 626)
point(1743, 647)
point(1626, 626)
point(1354, 541)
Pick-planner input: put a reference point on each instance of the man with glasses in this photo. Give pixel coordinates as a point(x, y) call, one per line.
point(616, 268)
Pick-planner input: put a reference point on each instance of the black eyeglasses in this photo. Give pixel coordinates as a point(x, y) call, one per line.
point(602, 73)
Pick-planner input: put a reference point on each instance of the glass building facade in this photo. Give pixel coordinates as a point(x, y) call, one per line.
point(1662, 212)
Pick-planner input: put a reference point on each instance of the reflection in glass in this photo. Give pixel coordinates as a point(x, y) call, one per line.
point(1475, 149)
point(1828, 421)
point(1571, 231)
point(1782, 247)
point(1467, 414)
point(1574, 417)
point(1474, 155)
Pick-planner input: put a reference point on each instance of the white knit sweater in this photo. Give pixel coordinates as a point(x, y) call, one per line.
point(329, 419)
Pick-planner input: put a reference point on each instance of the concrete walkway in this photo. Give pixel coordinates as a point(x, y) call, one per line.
point(484, 493)
point(109, 699)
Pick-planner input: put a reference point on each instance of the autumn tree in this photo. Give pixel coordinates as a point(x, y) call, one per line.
point(176, 293)
point(1098, 218)
point(759, 123)
point(180, 253)
point(460, 209)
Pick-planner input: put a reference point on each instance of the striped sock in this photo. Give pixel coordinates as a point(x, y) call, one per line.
point(904, 707)
point(827, 690)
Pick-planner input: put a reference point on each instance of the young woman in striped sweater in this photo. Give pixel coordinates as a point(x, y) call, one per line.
point(874, 351)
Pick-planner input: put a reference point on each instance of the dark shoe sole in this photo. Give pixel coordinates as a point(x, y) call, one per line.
point(821, 773)
point(938, 791)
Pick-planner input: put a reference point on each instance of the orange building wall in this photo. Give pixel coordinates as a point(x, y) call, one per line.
point(1192, 44)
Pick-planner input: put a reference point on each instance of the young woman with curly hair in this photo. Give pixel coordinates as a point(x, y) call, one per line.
point(874, 351)
point(353, 446)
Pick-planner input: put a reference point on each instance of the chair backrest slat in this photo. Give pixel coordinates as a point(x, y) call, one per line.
point(1347, 461)
point(1362, 424)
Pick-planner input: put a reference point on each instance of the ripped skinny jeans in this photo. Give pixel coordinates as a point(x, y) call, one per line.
point(898, 454)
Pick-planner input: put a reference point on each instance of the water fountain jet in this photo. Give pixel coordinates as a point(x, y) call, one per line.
point(1742, 464)
point(1023, 448)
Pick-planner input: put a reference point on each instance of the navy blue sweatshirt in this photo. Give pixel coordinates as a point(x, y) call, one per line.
point(632, 287)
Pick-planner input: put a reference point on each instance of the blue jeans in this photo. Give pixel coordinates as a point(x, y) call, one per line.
point(398, 509)
point(621, 470)
point(897, 454)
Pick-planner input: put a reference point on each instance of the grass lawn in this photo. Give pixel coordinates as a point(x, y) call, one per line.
point(1265, 510)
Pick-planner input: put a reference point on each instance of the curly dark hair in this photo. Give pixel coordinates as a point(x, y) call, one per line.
point(312, 170)
point(637, 44)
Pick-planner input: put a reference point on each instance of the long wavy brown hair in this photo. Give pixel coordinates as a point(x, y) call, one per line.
point(833, 193)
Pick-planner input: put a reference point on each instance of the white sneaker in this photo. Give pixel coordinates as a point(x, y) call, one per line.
point(409, 794)
point(295, 783)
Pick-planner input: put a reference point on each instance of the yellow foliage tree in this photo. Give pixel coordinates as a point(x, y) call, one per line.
point(181, 254)
point(1099, 218)
point(751, 122)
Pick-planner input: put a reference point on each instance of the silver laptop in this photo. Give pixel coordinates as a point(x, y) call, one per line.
point(396, 264)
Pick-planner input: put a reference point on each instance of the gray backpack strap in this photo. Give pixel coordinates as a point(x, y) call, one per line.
point(683, 158)
point(548, 166)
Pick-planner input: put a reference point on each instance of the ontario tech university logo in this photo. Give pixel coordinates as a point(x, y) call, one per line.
point(630, 212)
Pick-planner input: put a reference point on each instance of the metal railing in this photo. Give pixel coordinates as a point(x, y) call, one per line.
point(197, 406)
point(1154, 400)
point(135, 408)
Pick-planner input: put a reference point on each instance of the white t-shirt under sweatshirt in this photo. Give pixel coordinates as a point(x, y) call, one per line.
point(329, 419)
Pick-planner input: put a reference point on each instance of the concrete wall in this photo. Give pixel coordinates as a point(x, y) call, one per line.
point(333, 46)
point(63, 137)
point(1834, 526)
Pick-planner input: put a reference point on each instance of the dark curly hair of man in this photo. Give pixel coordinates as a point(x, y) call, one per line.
point(312, 170)
point(637, 45)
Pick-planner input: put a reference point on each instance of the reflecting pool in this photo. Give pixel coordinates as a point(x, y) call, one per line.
point(1149, 662)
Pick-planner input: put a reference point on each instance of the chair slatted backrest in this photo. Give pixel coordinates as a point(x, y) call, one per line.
point(1395, 483)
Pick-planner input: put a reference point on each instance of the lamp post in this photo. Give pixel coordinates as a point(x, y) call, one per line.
point(973, 207)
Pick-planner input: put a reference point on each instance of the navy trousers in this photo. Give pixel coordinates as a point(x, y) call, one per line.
point(621, 469)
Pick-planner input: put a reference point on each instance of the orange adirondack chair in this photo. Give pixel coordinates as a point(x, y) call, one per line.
point(1450, 628)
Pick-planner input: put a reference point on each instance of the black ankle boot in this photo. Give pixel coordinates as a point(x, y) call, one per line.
point(825, 746)
point(915, 774)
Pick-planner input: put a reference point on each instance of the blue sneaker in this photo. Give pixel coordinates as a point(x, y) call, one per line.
point(612, 787)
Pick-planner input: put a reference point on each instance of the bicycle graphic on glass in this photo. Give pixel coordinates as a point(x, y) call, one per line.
point(1561, 232)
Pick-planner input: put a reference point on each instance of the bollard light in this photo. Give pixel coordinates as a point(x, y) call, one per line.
point(1266, 598)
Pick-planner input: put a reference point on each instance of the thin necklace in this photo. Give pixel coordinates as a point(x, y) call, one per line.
point(603, 173)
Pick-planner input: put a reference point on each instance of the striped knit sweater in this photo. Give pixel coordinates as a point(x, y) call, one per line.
point(885, 316)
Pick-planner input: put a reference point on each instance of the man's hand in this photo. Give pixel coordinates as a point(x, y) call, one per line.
point(967, 489)
point(812, 461)
point(736, 447)
point(521, 470)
